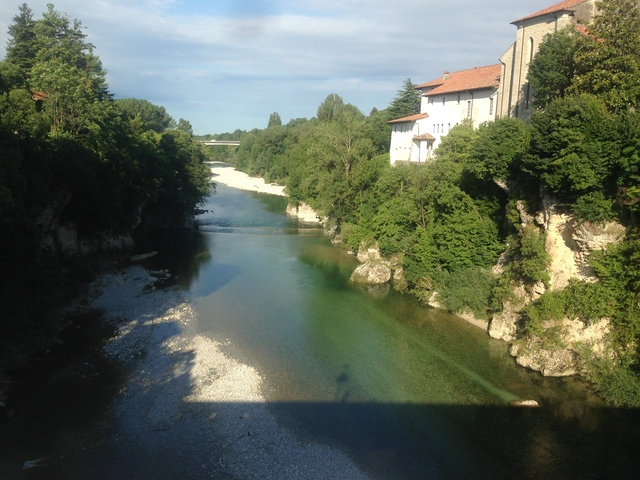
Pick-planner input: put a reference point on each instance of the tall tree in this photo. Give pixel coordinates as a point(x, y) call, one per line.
point(406, 102)
point(145, 115)
point(608, 60)
point(552, 69)
point(330, 109)
point(274, 120)
point(21, 46)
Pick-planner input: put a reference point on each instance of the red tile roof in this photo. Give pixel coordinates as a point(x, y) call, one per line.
point(472, 79)
point(558, 7)
point(432, 83)
point(424, 136)
point(410, 118)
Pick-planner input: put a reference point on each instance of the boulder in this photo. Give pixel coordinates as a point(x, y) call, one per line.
point(304, 213)
point(372, 273)
point(524, 403)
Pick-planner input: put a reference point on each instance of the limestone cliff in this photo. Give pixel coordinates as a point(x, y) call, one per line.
point(569, 244)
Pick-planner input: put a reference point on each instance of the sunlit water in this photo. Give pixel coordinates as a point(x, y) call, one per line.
point(410, 391)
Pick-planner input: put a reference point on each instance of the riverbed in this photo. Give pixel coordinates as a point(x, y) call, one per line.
point(242, 351)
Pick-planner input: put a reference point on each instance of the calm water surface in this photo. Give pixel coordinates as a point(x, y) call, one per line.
point(408, 391)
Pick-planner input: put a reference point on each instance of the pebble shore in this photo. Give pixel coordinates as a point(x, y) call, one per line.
point(227, 175)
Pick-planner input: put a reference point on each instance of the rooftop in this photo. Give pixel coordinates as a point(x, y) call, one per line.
point(410, 118)
point(566, 6)
point(464, 80)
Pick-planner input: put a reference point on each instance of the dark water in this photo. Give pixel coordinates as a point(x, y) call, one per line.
point(409, 391)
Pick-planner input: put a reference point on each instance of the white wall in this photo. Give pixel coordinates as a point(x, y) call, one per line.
point(448, 110)
point(403, 148)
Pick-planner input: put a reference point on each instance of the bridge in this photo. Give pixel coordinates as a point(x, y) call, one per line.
point(220, 143)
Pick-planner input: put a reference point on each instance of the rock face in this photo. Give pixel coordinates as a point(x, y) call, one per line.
point(304, 213)
point(61, 236)
point(561, 357)
point(569, 245)
point(374, 269)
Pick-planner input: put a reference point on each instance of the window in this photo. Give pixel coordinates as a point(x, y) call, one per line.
point(458, 99)
point(468, 108)
point(443, 100)
point(491, 106)
point(530, 49)
point(434, 128)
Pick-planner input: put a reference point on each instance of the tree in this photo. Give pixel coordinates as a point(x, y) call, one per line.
point(274, 120)
point(145, 115)
point(330, 108)
point(552, 69)
point(456, 144)
point(406, 102)
point(574, 148)
point(608, 59)
point(497, 146)
point(21, 46)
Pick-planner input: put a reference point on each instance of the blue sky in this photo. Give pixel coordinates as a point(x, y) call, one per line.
point(228, 64)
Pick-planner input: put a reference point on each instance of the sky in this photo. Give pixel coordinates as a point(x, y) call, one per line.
point(228, 64)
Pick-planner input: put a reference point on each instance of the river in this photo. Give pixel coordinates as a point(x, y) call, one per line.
point(410, 391)
point(406, 391)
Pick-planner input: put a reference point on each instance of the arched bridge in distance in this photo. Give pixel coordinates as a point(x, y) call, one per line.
point(220, 143)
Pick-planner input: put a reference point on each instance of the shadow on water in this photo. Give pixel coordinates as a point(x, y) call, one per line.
point(94, 417)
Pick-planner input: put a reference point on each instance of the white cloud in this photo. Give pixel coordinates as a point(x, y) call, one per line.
point(228, 64)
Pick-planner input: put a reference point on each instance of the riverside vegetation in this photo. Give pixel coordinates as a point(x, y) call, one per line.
point(80, 172)
point(452, 220)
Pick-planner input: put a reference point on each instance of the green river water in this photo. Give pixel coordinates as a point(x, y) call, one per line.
point(409, 391)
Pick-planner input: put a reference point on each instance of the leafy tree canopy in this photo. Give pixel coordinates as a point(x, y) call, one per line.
point(608, 60)
point(552, 69)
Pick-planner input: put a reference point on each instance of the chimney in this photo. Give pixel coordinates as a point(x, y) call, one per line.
point(445, 76)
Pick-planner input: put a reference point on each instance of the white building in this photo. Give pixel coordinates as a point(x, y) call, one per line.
point(446, 102)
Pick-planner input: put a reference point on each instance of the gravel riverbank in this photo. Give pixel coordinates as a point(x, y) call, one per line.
point(227, 175)
point(182, 406)
point(188, 380)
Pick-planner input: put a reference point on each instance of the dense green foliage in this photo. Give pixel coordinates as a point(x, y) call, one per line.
point(552, 70)
point(449, 220)
point(70, 155)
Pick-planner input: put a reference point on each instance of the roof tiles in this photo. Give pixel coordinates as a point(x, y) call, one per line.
point(471, 79)
point(558, 7)
point(410, 118)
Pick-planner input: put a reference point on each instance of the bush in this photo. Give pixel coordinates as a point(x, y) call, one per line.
point(467, 289)
point(529, 256)
point(353, 235)
point(593, 207)
point(550, 306)
point(617, 385)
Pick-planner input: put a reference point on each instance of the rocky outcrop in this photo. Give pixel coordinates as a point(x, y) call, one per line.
point(371, 274)
point(374, 270)
point(304, 213)
point(560, 354)
point(569, 244)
